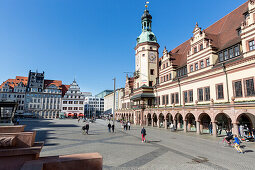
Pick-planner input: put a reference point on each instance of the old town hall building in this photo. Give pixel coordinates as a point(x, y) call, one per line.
point(207, 79)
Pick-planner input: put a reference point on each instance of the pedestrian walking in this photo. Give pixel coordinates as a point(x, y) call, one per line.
point(126, 125)
point(109, 127)
point(237, 144)
point(113, 128)
point(78, 120)
point(210, 128)
point(143, 133)
point(241, 130)
point(87, 128)
point(253, 132)
point(129, 124)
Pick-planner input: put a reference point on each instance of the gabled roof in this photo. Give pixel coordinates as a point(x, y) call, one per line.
point(57, 83)
point(64, 89)
point(223, 34)
point(14, 82)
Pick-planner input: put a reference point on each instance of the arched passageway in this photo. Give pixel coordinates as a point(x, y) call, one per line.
point(205, 121)
point(224, 123)
point(191, 122)
point(169, 119)
point(246, 122)
point(178, 121)
point(161, 120)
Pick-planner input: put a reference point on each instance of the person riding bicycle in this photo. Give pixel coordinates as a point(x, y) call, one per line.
point(229, 137)
point(87, 128)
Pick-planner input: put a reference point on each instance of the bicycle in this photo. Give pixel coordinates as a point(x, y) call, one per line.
point(83, 130)
point(227, 143)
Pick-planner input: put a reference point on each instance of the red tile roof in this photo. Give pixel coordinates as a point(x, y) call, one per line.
point(64, 89)
point(14, 82)
point(57, 83)
point(223, 34)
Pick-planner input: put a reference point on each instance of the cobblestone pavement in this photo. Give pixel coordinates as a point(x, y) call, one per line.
point(124, 149)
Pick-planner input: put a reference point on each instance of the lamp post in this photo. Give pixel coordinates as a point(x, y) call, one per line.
point(113, 110)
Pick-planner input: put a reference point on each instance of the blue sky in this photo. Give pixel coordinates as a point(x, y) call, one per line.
point(93, 40)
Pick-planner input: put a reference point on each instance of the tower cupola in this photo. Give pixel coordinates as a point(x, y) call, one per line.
point(147, 34)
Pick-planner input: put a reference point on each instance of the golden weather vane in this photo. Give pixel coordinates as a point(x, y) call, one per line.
point(146, 4)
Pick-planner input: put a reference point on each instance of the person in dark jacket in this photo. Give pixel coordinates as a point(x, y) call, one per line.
point(143, 132)
point(113, 128)
point(87, 128)
point(109, 127)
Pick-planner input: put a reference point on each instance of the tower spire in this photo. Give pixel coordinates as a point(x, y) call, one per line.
point(146, 4)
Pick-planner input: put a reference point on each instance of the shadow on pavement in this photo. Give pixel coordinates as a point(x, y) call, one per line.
point(246, 151)
point(43, 134)
point(153, 141)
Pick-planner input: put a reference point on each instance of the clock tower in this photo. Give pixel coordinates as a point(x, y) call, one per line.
point(146, 63)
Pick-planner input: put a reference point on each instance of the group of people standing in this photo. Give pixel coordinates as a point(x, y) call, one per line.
point(111, 127)
point(126, 125)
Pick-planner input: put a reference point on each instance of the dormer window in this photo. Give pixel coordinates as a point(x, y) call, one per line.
point(239, 31)
point(251, 45)
point(225, 55)
point(195, 50)
point(196, 66)
point(202, 64)
point(246, 15)
point(201, 47)
point(191, 68)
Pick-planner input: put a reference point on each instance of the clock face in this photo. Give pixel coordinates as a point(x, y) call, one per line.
point(152, 57)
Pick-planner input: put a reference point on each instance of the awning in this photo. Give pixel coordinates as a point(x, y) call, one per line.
point(143, 95)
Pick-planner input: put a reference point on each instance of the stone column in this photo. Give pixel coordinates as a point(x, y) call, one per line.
point(147, 122)
point(214, 129)
point(158, 123)
point(201, 128)
point(189, 127)
point(175, 125)
point(198, 127)
point(179, 125)
point(185, 126)
point(165, 123)
point(235, 129)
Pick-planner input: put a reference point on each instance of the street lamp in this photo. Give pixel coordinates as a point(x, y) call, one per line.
point(113, 110)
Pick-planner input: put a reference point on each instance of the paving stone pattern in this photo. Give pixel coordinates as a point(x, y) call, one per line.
point(163, 149)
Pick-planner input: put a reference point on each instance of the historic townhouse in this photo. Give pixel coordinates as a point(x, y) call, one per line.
point(73, 102)
point(207, 79)
point(14, 90)
point(34, 94)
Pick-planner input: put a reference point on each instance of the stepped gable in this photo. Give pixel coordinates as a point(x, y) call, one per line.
point(223, 34)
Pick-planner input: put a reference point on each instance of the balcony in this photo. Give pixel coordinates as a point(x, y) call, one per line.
point(139, 106)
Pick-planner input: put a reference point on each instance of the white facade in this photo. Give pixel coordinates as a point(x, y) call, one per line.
point(93, 106)
point(108, 100)
point(16, 94)
point(73, 102)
